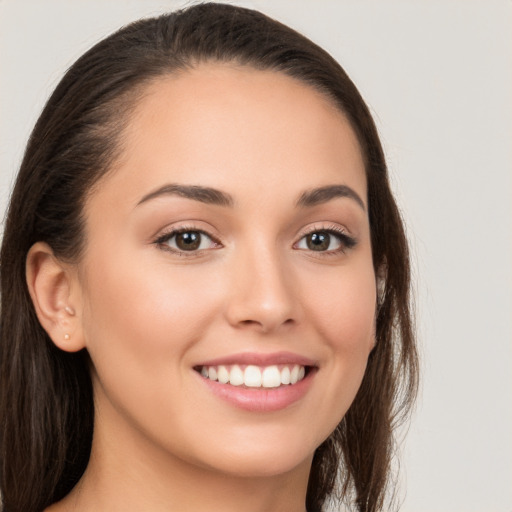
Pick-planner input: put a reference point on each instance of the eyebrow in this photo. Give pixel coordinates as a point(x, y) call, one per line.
point(213, 196)
point(321, 195)
point(197, 193)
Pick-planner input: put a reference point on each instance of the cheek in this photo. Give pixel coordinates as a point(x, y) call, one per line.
point(344, 308)
point(344, 312)
point(141, 321)
point(146, 311)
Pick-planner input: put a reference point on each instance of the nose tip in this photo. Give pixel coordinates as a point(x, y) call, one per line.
point(263, 298)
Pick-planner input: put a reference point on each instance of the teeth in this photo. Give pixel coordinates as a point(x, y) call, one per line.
point(271, 378)
point(294, 376)
point(285, 375)
point(252, 377)
point(236, 377)
point(255, 376)
point(223, 375)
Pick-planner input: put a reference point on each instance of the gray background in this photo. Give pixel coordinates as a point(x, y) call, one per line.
point(438, 77)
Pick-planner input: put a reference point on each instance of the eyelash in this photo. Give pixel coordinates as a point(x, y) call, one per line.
point(346, 242)
point(163, 240)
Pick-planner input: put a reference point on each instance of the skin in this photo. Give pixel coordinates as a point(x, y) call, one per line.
point(148, 315)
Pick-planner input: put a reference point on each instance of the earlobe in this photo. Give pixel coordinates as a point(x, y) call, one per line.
point(52, 287)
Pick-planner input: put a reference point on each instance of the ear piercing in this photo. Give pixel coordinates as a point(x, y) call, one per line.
point(70, 311)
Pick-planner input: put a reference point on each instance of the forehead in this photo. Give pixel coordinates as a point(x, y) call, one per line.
point(225, 126)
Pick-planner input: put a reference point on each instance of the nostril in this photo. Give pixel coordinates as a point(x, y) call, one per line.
point(251, 323)
point(266, 325)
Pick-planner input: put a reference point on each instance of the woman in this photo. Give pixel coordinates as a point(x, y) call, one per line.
point(205, 280)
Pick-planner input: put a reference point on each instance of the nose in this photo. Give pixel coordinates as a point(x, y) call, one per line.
point(263, 295)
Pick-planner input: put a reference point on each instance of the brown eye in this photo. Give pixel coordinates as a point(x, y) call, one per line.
point(330, 241)
point(188, 241)
point(318, 241)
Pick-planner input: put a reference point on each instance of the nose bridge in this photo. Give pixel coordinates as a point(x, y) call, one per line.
point(262, 289)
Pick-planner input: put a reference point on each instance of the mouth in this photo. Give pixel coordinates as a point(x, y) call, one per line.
point(259, 382)
point(253, 376)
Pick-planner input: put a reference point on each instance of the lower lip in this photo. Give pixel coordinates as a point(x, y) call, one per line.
point(261, 399)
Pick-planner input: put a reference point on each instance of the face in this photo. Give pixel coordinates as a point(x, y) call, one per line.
point(227, 288)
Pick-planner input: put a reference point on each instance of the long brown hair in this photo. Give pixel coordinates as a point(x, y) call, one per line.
point(46, 401)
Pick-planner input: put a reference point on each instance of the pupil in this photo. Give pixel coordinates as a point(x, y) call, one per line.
point(188, 241)
point(319, 241)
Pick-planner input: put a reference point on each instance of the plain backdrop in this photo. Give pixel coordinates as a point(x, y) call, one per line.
point(437, 75)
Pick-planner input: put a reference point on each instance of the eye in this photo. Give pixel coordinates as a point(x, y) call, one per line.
point(326, 241)
point(186, 240)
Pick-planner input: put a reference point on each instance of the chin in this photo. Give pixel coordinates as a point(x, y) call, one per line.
point(259, 458)
point(263, 465)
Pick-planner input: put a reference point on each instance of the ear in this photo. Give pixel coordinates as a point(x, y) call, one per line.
point(380, 284)
point(54, 289)
point(381, 278)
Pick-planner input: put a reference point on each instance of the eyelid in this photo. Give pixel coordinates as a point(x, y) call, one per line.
point(168, 233)
point(347, 241)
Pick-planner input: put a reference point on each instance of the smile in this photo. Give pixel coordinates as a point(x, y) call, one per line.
point(259, 382)
point(252, 376)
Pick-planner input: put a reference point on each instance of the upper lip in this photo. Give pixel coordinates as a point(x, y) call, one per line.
point(260, 359)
